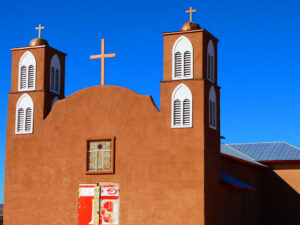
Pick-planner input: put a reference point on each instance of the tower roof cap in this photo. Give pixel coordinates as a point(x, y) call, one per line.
point(190, 26)
point(38, 42)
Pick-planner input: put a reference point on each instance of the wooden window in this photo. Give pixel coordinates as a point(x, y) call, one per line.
point(100, 156)
point(246, 204)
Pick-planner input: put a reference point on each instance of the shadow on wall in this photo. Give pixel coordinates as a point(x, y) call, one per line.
point(281, 203)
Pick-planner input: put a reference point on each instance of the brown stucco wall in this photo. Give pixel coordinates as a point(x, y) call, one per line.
point(157, 167)
point(166, 175)
point(281, 196)
point(231, 206)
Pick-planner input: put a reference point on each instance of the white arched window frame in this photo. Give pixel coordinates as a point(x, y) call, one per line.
point(24, 115)
point(212, 108)
point(55, 74)
point(182, 107)
point(182, 59)
point(27, 72)
point(211, 62)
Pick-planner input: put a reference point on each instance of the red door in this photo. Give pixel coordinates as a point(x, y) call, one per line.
point(88, 202)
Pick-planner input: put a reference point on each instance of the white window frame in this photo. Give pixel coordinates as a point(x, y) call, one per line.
point(211, 52)
point(26, 60)
point(55, 63)
point(181, 93)
point(24, 102)
point(53, 101)
point(182, 44)
point(212, 116)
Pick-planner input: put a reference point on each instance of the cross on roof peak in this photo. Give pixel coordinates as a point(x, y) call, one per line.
point(190, 11)
point(40, 28)
point(102, 56)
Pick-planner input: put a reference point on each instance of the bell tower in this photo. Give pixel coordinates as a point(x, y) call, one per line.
point(190, 98)
point(37, 80)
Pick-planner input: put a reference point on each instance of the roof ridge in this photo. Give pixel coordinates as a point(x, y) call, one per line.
point(266, 142)
point(293, 145)
point(245, 155)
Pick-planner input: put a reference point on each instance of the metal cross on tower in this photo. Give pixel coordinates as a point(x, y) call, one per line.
point(102, 56)
point(40, 28)
point(191, 13)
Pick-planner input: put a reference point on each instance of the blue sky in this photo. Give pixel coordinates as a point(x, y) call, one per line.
point(258, 54)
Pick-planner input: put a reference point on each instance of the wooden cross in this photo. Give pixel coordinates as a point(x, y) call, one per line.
point(102, 57)
point(40, 28)
point(191, 13)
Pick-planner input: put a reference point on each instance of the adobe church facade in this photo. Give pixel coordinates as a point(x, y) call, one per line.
point(107, 155)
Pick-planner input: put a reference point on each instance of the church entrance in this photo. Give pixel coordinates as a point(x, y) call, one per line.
point(98, 204)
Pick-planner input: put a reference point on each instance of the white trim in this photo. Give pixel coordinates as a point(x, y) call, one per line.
point(183, 45)
point(181, 93)
point(211, 53)
point(27, 60)
point(24, 102)
point(212, 111)
point(53, 101)
point(55, 64)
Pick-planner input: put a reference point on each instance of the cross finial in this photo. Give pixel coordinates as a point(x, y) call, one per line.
point(191, 13)
point(102, 57)
point(40, 28)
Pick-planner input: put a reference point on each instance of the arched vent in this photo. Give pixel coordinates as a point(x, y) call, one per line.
point(210, 62)
point(212, 105)
point(186, 112)
point(177, 113)
point(187, 64)
point(181, 107)
point(23, 78)
point(182, 59)
point(24, 115)
point(27, 72)
point(30, 76)
point(57, 80)
point(178, 65)
point(20, 119)
point(55, 75)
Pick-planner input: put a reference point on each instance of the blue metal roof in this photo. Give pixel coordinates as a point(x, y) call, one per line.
point(232, 152)
point(235, 182)
point(269, 151)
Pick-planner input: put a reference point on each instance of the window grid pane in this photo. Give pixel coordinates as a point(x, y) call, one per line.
point(100, 156)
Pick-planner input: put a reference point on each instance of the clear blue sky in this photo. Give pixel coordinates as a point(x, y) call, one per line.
point(258, 53)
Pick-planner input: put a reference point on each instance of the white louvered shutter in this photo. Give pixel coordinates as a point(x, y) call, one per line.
point(212, 68)
point(28, 119)
point(210, 113)
point(20, 120)
point(214, 118)
point(177, 113)
point(57, 80)
point(186, 112)
point(187, 64)
point(23, 77)
point(52, 79)
point(178, 65)
point(208, 67)
point(30, 77)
